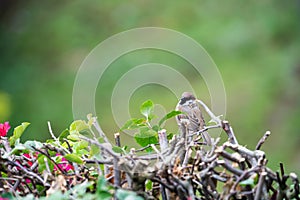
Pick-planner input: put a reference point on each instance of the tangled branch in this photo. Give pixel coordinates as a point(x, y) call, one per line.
point(177, 169)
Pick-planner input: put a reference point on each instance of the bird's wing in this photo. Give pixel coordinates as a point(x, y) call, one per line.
point(197, 118)
point(193, 114)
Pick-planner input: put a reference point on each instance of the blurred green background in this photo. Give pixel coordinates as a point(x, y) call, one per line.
point(255, 44)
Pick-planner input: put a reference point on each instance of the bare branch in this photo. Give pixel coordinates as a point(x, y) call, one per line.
point(227, 128)
point(262, 140)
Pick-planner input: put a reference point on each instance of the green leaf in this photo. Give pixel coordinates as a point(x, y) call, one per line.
point(73, 158)
point(146, 136)
point(104, 195)
point(101, 184)
point(42, 164)
point(52, 153)
point(134, 123)
point(91, 119)
point(86, 133)
point(149, 185)
point(3, 174)
point(100, 140)
point(7, 196)
point(146, 108)
point(127, 195)
point(18, 147)
point(103, 189)
point(252, 181)
point(54, 196)
point(82, 152)
point(28, 197)
point(156, 128)
point(168, 116)
point(248, 181)
point(73, 137)
point(95, 150)
point(32, 143)
point(151, 116)
point(57, 158)
point(18, 131)
point(117, 149)
point(170, 136)
point(80, 145)
point(78, 125)
point(81, 189)
point(63, 135)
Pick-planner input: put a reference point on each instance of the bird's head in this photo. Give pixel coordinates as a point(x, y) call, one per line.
point(186, 98)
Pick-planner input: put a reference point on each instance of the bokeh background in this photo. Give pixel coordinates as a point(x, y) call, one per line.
point(255, 45)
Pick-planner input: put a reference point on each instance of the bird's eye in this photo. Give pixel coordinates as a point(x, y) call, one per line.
point(182, 100)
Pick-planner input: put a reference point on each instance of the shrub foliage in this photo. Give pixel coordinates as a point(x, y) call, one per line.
point(81, 164)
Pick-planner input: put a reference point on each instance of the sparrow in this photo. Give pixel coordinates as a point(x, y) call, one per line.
point(190, 109)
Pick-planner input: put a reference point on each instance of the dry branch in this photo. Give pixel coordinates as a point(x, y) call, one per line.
point(182, 168)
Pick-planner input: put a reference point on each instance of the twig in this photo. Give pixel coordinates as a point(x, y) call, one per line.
point(68, 144)
point(146, 157)
point(163, 192)
point(182, 167)
point(260, 185)
point(262, 140)
point(145, 147)
point(250, 156)
point(5, 143)
point(163, 140)
point(227, 128)
point(96, 161)
point(296, 185)
point(51, 132)
point(101, 133)
point(235, 171)
point(49, 157)
point(229, 156)
point(56, 139)
point(158, 153)
point(117, 173)
point(117, 139)
point(29, 172)
point(186, 157)
point(18, 181)
point(158, 179)
point(108, 150)
point(206, 128)
point(209, 112)
point(47, 165)
point(281, 170)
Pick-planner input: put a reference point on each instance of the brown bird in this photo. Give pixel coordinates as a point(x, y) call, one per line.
point(189, 106)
